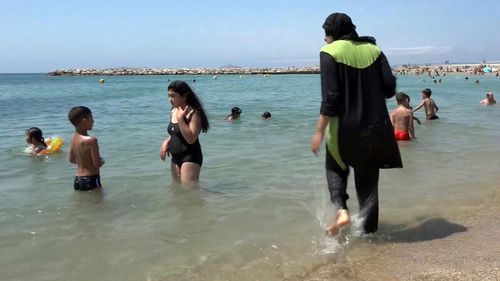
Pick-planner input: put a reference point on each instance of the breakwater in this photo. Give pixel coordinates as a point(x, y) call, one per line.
point(184, 71)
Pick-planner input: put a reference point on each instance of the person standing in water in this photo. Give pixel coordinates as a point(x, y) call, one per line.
point(429, 105)
point(84, 150)
point(356, 79)
point(187, 120)
point(402, 119)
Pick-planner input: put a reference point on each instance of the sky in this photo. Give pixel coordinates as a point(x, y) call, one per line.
point(45, 35)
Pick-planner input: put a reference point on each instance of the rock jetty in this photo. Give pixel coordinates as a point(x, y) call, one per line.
point(407, 69)
point(437, 69)
point(184, 71)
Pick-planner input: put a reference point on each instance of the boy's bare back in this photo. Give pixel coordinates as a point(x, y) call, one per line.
point(430, 107)
point(402, 118)
point(84, 151)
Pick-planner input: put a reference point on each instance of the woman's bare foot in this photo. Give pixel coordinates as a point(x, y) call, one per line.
point(342, 219)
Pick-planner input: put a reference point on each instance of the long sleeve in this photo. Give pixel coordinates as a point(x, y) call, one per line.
point(389, 78)
point(330, 89)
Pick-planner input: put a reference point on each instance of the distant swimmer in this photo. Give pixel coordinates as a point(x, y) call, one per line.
point(430, 106)
point(235, 114)
point(266, 115)
point(477, 82)
point(402, 119)
point(102, 81)
point(489, 100)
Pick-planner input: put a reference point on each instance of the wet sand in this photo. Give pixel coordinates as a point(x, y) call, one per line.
point(459, 246)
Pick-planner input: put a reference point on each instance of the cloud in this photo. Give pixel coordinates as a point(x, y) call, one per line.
point(425, 50)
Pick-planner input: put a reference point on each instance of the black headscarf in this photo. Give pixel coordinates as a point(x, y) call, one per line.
point(340, 27)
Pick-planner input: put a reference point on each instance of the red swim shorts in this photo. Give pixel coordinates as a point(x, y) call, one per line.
point(402, 135)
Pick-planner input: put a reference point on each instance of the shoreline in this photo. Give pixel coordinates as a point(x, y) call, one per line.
point(407, 69)
point(455, 247)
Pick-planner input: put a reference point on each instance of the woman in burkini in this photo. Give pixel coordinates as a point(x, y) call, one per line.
point(34, 138)
point(187, 120)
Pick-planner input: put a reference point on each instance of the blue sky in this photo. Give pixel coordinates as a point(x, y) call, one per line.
point(44, 35)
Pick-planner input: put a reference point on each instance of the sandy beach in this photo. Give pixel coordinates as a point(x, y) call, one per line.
point(460, 246)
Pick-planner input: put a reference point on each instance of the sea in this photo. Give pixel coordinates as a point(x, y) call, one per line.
point(262, 204)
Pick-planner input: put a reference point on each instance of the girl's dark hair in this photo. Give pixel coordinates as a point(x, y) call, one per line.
point(36, 133)
point(183, 89)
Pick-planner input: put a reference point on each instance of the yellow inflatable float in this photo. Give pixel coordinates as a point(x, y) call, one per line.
point(54, 144)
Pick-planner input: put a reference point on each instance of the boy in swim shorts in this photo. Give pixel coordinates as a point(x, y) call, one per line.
point(430, 106)
point(84, 150)
point(402, 119)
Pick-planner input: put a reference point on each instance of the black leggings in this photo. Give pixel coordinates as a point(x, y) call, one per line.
point(366, 180)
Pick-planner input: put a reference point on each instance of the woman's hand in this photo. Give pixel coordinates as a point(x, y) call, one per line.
point(164, 150)
point(316, 141)
point(180, 114)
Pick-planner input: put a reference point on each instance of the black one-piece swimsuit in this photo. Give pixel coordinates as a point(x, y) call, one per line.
point(180, 149)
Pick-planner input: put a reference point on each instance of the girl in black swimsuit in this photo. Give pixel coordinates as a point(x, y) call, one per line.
point(188, 119)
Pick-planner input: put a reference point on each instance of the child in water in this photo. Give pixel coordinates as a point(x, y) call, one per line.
point(84, 150)
point(402, 119)
point(265, 115)
point(235, 114)
point(430, 106)
point(34, 138)
point(187, 121)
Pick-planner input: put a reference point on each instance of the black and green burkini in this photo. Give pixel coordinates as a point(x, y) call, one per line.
point(356, 80)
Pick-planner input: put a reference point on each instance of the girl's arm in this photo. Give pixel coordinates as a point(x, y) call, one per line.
point(190, 131)
point(164, 149)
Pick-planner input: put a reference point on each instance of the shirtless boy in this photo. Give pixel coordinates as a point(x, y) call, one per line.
point(430, 106)
point(402, 119)
point(84, 150)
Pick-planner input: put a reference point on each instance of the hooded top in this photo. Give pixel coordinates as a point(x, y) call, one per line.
point(340, 27)
point(356, 79)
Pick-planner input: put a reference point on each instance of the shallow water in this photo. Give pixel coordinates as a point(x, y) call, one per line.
point(262, 204)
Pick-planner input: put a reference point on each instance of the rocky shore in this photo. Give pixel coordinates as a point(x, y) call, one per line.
point(184, 71)
point(438, 69)
point(406, 69)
